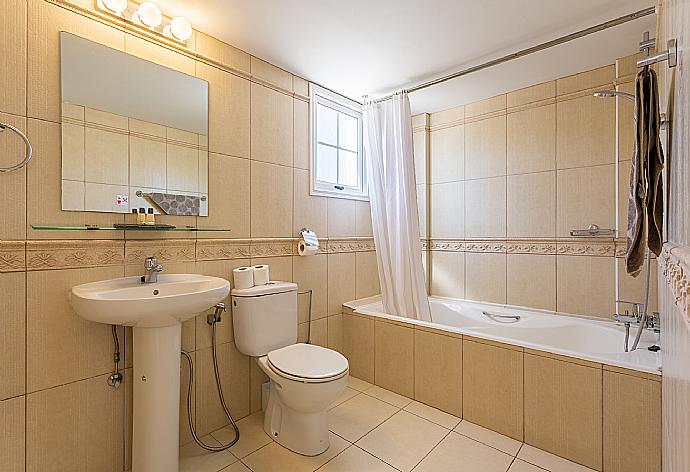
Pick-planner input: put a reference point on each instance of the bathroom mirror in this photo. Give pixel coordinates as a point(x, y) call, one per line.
point(134, 133)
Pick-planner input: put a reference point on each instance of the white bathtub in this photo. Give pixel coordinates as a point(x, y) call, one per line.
point(585, 338)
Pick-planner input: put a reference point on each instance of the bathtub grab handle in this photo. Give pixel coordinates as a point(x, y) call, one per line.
point(497, 317)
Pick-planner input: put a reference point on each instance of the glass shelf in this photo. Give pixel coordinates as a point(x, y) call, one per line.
point(128, 228)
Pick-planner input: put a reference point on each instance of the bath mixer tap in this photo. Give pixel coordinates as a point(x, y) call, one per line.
point(152, 268)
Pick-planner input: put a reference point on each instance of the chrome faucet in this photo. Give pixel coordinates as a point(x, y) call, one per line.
point(151, 267)
point(651, 321)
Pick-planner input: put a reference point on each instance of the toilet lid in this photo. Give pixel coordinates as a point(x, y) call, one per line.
point(308, 361)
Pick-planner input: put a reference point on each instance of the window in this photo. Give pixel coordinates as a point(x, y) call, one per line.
point(337, 166)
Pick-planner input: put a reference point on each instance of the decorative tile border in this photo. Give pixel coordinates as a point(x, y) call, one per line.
point(273, 247)
point(222, 249)
point(43, 255)
point(12, 256)
point(676, 270)
point(579, 247)
point(336, 245)
point(165, 250)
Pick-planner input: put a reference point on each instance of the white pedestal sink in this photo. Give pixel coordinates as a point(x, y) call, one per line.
point(156, 312)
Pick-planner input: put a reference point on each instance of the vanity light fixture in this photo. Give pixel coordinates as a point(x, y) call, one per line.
point(149, 16)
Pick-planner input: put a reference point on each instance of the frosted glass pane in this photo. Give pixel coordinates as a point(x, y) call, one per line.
point(348, 132)
point(326, 125)
point(326, 164)
point(347, 166)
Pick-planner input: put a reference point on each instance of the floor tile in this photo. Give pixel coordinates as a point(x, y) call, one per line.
point(457, 453)
point(358, 384)
point(237, 467)
point(388, 396)
point(522, 466)
point(403, 440)
point(488, 437)
point(274, 457)
point(252, 435)
point(432, 414)
point(354, 459)
point(346, 395)
point(195, 459)
point(354, 418)
point(549, 461)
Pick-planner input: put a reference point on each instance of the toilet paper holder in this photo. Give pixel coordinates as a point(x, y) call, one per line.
point(309, 237)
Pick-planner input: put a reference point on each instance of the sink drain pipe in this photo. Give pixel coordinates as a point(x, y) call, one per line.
point(212, 319)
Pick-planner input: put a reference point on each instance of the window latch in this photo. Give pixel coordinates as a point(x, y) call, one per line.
point(339, 187)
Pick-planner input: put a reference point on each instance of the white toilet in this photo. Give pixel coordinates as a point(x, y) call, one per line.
point(305, 378)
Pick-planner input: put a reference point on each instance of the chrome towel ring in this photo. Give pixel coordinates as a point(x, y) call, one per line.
point(29, 149)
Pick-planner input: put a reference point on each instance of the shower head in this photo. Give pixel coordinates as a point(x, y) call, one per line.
point(614, 93)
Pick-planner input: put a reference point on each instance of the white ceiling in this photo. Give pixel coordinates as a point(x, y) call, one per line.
point(374, 47)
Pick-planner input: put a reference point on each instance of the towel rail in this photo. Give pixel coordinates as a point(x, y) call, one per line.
point(139, 193)
point(670, 55)
point(29, 149)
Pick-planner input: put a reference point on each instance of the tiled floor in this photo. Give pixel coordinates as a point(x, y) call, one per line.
point(375, 430)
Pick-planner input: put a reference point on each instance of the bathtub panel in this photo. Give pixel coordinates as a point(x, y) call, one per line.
point(632, 418)
point(358, 346)
point(492, 387)
point(563, 409)
point(438, 371)
point(394, 358)
point(12, 445)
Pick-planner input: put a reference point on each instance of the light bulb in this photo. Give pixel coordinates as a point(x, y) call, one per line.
point(180, 28)
point(149, 14)
point(114, 6)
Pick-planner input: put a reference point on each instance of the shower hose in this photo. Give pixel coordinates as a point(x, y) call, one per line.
point(192, 428)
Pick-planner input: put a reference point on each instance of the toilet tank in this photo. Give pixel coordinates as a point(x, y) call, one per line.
point(264, 317)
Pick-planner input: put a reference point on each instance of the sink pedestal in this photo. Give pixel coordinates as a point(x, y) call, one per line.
point(156, 401)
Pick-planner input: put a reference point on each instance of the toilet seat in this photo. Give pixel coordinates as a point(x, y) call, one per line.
point(308, 363)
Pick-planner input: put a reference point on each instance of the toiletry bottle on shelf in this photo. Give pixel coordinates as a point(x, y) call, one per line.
point(150, 217)
point(141, 216)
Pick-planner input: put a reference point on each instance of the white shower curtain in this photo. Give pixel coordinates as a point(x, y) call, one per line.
point(394, 212)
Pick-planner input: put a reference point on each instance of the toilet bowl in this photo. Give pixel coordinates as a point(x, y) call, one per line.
point(304, 380)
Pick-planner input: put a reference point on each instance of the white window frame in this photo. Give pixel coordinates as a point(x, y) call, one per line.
point(320, 95)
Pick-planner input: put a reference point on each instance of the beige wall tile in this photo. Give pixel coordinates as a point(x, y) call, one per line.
point(585, 196)
point(585, 134)
point(485, 277)
point(271, 73)
point(632, 288)
point(12, 444)
point(78, 426)
point(341, 281)
point(421, 145)
point(311, 273)
point(103, 197)
point(448, 274)
point(394, 358)
point(485, 208)
point(492, 388)
point(532, 205)
point(45, 21)
point(300, 85)
point(438, 371)
point(310, 211)
point(229, 196)
point(335, 332)
point(447, 214)
point(632, 406)
point(531, 94)
point(319, 332)
point(182, 168)
point(588, 79)
point(147, 163)
point(185, 434)
point(105, 118)
point(13, 185)
point(531, 140)
point(106, 157)
point(449, 115)
point(363, 223)
point(228, 111)
point(584, 285)
point(73, 194)
point(624, 169)
point(627, 65)
point(342, 215)
point(301, 133)
point(532, 281)
point(423, 210)
point(234, 373)
point(485, 148)
point(280, 268)
point(358, 346)
point(272, 126)
point(257, 377)
point(563, 409)
point(271, 200)
point(142, 127)
point(224, 53)
point(70, 110)
point(50, 321)
point(12, 335)
point(626, 125)
point(160, 55)
point(366, 275)
point(203, 173)
point(73, 151)
point(489, 105)
point(13, 68)
point(447, 154)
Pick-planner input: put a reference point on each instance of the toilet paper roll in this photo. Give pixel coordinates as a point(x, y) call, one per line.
point(243, 277)
point(261, 274)
point(305, 250)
